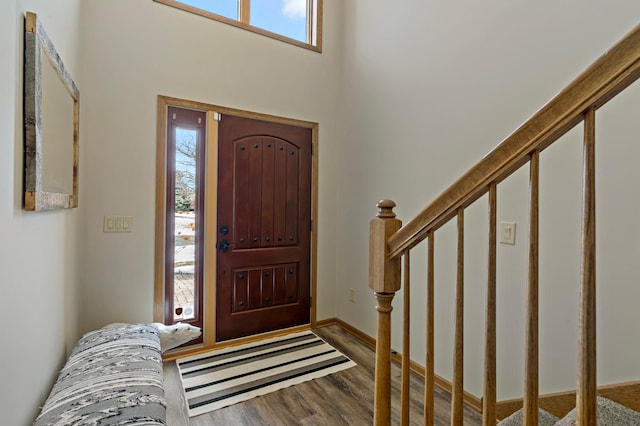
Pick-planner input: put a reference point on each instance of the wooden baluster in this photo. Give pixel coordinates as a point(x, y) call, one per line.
point(406, 344)
point(531, 345)
point(586, 392)
point(458, 355)
point(429, 364)
point(489, 394)
point(384, 280)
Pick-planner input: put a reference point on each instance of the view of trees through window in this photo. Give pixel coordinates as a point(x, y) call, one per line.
point(185, 169)
point(183, 211)
point(185, 224)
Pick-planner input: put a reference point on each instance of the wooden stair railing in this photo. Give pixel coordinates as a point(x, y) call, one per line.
point(384, 280)
point(389, 241)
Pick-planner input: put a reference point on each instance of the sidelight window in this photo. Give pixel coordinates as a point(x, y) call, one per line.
point(184, 216)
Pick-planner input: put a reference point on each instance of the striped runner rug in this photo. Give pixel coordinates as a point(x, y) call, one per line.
point(234, 374)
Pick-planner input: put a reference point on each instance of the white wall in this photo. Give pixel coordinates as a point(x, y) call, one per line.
point(428, 89)
point(134, 51)
point(411, 99)
point(39, 251)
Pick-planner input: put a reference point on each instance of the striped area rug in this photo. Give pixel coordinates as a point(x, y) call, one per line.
point(227, 376)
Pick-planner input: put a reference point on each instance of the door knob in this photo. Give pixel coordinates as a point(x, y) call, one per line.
point(224, 246)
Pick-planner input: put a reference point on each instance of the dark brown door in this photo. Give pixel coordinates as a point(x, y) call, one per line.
point(264, 217)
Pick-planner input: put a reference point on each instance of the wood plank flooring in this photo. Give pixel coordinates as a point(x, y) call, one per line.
point(343, 398)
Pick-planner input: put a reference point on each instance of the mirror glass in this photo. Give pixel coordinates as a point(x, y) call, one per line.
point(57, 133)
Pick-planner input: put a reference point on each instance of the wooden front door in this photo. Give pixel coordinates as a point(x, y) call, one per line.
point(264, 227)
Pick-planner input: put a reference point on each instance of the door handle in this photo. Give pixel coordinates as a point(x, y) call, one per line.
point(224, 246)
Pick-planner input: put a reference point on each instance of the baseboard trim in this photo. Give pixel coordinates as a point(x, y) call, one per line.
point(469, 399)
point(364, 337)
point(560, 403)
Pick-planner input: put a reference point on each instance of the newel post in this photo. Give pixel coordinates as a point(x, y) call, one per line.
point(384, 280)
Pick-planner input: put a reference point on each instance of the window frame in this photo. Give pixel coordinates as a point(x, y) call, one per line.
point(314, 22)
point(160, 314)
point(200, 219)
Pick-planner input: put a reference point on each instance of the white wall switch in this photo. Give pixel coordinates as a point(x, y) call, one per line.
point(508, 232)
point(117, 224)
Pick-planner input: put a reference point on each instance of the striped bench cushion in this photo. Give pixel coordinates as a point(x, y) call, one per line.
point(112, 377)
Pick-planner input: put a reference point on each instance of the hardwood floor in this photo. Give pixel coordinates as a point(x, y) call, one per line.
point(343, 398)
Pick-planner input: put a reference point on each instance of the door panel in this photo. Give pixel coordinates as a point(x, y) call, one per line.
point(264, 198)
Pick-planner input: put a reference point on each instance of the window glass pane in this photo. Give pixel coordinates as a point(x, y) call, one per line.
point(185, 225)
point(226, 8)
point(284, 17)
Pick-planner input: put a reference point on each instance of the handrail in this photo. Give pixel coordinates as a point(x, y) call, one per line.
point(389, 241)
point(610, 74)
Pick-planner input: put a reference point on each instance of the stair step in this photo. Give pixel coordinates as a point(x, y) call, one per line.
point(610, 413)
point(517, 419)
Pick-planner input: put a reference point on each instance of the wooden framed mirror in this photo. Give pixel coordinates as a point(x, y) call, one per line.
point(51, 124)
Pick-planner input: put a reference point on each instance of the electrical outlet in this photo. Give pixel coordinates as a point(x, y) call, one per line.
point(352, 295)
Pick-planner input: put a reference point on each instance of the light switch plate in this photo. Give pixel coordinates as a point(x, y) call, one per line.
point(117, 224)
point(508, 232)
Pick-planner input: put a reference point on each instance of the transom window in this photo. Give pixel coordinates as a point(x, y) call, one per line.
point(293, 21)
